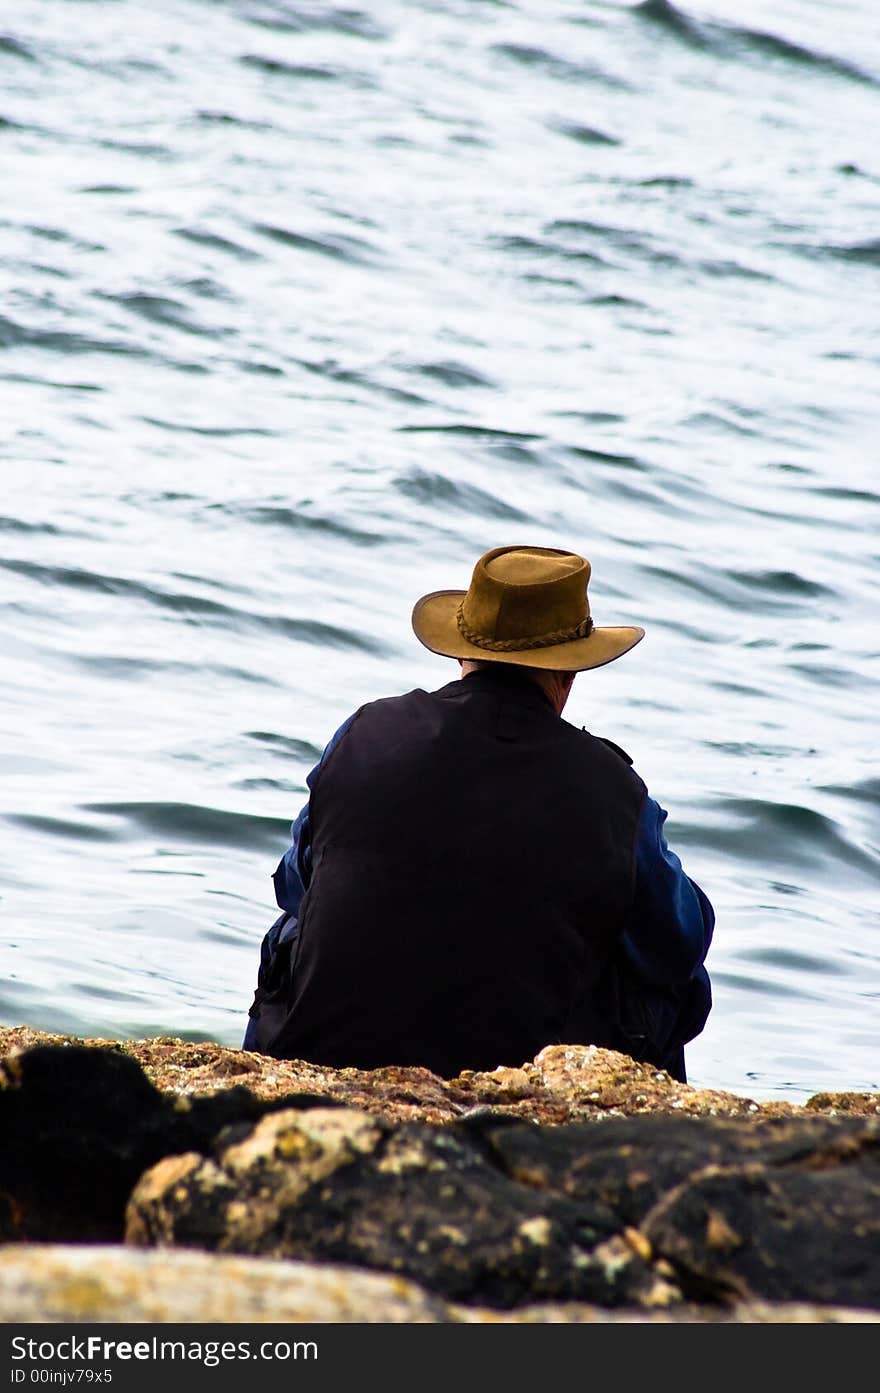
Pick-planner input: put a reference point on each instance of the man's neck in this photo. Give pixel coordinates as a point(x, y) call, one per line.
point(555, 685)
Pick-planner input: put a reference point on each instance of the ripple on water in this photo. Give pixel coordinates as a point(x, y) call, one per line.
point(299, 18)
point(20, 525)
point(673, 21)
point(212, 432)
point(16, 48)
point(469, 432)
point(584, 135)
point(740, 42)
point(199, 609)
point(555, 66)
point(161, 309)
point(190, 822)
point(64, 341)
point(300, 749)
point(433, 490)
point(521, 244)
point(767, 592)
point(778, 834)
point(452, 374)
point(295, 519)
point(793, 961)
point(864, 791)
point(339, 246)
point(202, 237)
point(124, 669)
point(65, 828)
point(305, 72)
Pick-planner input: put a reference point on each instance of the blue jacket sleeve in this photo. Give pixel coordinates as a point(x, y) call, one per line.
point(670, 927)
point(665, 992)
point(291, 879)
point(294, 870)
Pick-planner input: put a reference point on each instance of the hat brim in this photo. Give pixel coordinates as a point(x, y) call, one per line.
point(435, 624)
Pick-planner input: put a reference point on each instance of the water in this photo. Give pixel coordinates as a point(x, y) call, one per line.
point(305, 307)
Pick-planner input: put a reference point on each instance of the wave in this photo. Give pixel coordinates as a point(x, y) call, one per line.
point(304, 72)
point(16, 48)
point(199, 609)
point(622, 237)
point(61, 234)
point(767, 592)
point(65, 828)
point(553, 65)
point(778, 47)
point(161, 309)
point(607, 457)
point(839, 491)
point(863, 791)
point(452, 374)
point(423, 487)
point(469, 431)
point(19, 525)
point(211, 116)
point(339, 246)
point(732, 40)
point(211, 432)
point(109, 189)
point(357, 377)
point(300, 749)
point(673, 21)
point(13, 334)
point(151, 149)
point(203, 238)
point(516, 242)
point(867, 253)
point(190, 822)
point(584, 135)
point(293, 519)
point(778, 834)
point(124, 668)
point(289, 18)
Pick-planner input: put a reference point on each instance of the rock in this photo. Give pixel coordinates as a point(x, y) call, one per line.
point(564, 1083)
point(579, 1180)
point(104, 1284)
point(629, 1164)
point(107, 1283)
point(847, 1104)
point(79, 1126)
point(806, 1229)
point(493, 1211)
point(427, 1202)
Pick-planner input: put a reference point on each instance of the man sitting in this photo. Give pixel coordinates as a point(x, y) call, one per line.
point(473, 877)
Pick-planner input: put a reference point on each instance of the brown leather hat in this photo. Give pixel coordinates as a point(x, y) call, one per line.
point(525, 605)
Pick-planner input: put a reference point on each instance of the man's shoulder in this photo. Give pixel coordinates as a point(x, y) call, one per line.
point(388, 708)
point(618, 750)
point(610, 755)
point(394, 699)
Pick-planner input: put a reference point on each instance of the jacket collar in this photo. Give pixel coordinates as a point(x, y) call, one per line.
point(507, 682)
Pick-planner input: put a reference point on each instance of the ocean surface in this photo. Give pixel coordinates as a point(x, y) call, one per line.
point(303, 308)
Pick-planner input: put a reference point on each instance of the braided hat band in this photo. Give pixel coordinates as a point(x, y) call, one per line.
point(521, 645)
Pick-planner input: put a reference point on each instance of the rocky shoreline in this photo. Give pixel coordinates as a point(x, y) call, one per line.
point(159, 1180)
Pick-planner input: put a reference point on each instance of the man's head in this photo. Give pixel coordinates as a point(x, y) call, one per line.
point(526, 606)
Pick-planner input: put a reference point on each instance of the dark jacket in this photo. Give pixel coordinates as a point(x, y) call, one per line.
point(473, 867)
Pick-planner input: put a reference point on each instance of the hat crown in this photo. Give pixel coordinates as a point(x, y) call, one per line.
point(524, 595)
